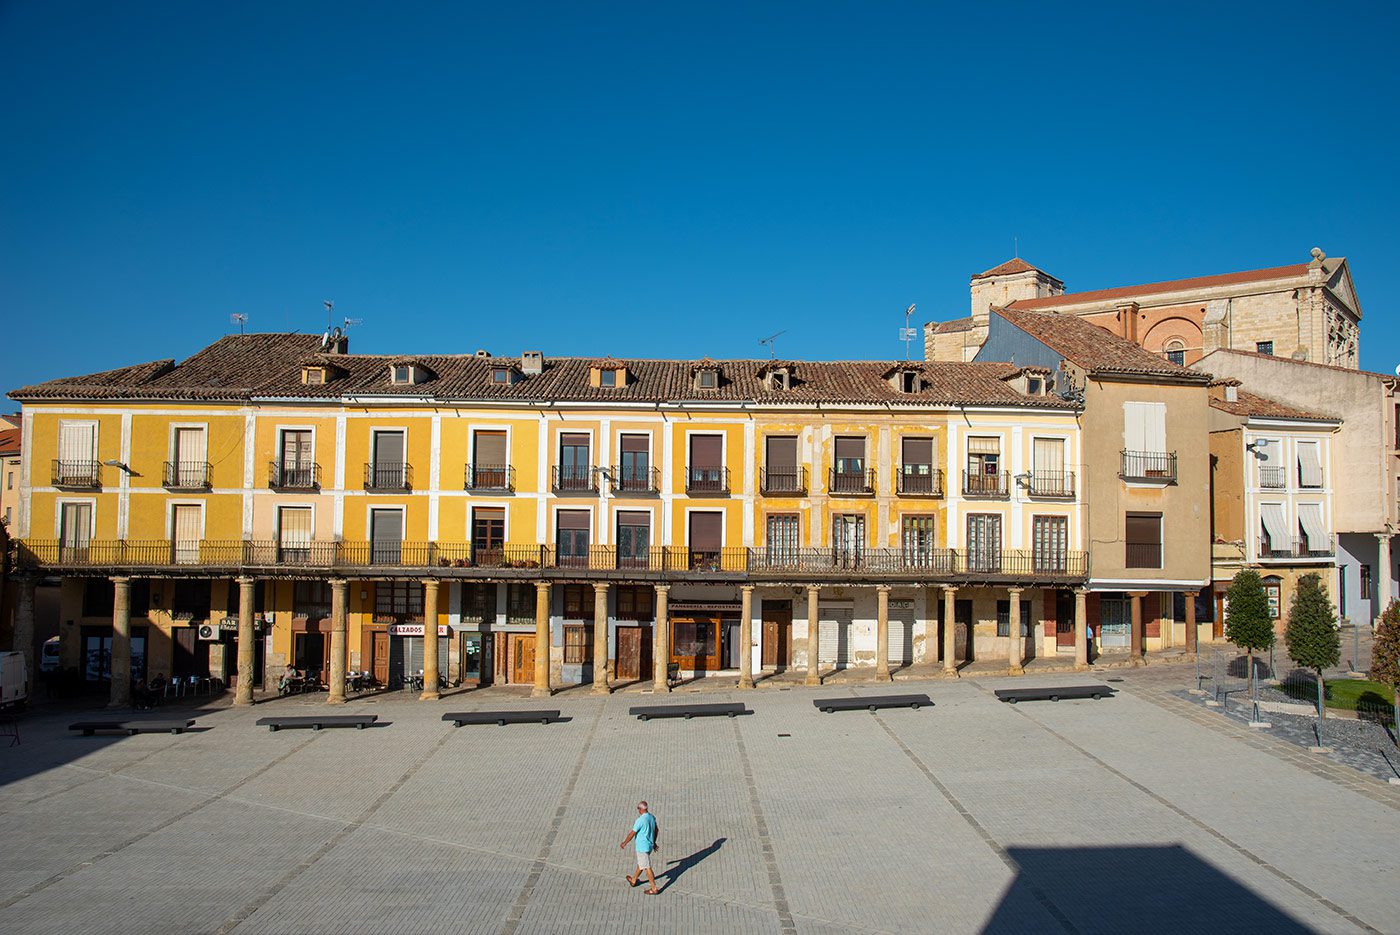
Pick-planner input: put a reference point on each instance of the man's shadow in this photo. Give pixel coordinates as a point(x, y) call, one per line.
point(676, 868)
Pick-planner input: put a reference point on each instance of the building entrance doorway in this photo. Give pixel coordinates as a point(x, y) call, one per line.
point(777, 634)
point(633, 653)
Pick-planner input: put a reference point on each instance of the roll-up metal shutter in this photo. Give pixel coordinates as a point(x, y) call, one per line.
point(782, 452)
point(489, 449)
point(901, 635)
point(635, 443)
point(706, 451)
point(706, 531)
point(834, 636)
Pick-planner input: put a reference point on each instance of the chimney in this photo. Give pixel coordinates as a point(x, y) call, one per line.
point(532, 363)
point(1232, 393)
point(336, 342)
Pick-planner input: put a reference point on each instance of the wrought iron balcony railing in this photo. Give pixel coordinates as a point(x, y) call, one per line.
point(575, 478)
point(489, 477)
point(783, 482)
point(84, 474)
point(920, 480)
point(635, 479)
point(1149, 466)
point(1298, 547)
point(299, 475)
point(388, 475)
point(185, 475)
point(1050, 484)
point(979, 484)
point(707, 480)
point(848, 483)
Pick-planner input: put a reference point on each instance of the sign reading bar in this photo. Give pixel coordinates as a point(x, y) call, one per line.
point(413, 629)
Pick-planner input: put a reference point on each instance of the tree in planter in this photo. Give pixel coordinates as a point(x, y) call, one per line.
point(1312, 637)
point(1247, 622)
point(1385, 656)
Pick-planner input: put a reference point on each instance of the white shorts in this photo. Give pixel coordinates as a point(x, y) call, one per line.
point(643, 860)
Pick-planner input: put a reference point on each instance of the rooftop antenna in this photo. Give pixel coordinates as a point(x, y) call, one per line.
point(1015, 246)
point(907, 334)
point(239, 319)
point(347, 322)
point(330, 307)
point(769, 341)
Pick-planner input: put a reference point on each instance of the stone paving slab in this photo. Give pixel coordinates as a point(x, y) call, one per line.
point(1139, 813)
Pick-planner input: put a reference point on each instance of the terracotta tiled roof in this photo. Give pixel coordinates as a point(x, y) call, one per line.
point(1250, 404)
point(1096, 349)
point(1016, 265)
point(269, 365)
point(9, 442)
point(1172, 285)
point(954, 326)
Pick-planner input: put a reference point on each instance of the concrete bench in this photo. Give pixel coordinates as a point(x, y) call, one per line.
point(502, 718)
point(872, 703)
point(1053, 693)
point(318, 721)
point(687, 711)
point(130, 727)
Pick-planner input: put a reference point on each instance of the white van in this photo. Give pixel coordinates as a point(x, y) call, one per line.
point(14, 682)
point(48, 655)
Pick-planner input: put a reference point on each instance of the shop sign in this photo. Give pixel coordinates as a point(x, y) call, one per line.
point(901, 605)
point(413, 629)
point(727, 606)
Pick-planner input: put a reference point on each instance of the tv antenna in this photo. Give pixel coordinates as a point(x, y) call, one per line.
point(769, 341)
point(330, 308)
point(347, 322)
point(907, 334)
point(239, 319)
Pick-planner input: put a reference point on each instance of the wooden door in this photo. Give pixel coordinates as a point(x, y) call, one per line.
point(695, 642)
point(1064, 620)
point(182, 662)
point(777, 634)
point(1218, 624)
point(379, 656)
point(633, 653)
point(522, 658)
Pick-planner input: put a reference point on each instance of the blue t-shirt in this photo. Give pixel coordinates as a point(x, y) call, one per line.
point(645, 827)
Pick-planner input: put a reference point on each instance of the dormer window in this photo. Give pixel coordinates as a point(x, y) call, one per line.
point(779, 380)
point(500, 376)
point(909, 382)
point(607, 378)
point(607, 372)
point(313, 376)
point(707, 379)
point(401, 373)
point(1035, 386)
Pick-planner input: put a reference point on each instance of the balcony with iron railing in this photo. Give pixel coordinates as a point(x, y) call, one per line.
point(185, 475)
point(1299, 547)
point(850, 483)
point(1274, 478)
point(707, 481)
point(1049, 483)
point(580, 479)
point(388, 475)
point(1151, 466)
point(492, 477)
point(293, 475)
point(635, 480)
point(217, 558)
point(981, 484)
point(86, 475)
point(783, 482)
point(922, 481)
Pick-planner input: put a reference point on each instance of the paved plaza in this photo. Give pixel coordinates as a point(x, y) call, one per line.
point(1138, 813)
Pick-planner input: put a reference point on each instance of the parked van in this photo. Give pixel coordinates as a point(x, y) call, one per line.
point(48, 655)
point(14, 681)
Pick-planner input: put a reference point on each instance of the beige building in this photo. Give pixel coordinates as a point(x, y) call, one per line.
point(1305, 311)
point(1145, 472)
point(1272, 470)
point(1366, 485)
point(9, 468)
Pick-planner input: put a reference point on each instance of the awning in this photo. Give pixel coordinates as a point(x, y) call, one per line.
point(1310, 518)
point(1309, 466)
point(1275, 525)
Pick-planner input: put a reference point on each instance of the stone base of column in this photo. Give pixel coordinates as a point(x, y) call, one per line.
point(240, 699)
point(334, 699)
point(661, 689)
point(745, 682)
point(952, 673)
point(601, 688)
point(883, 677)
point(1139, 661)
point(1081, 667)
point(1015, 670)
point(812, 679)
point(429, 696)
point(535, 692)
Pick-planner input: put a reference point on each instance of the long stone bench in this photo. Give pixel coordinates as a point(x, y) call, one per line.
point(137, 726)
point(502, 718)
point(1053, 693)
point(872, 703)
point(687, 711)
point(318, 721)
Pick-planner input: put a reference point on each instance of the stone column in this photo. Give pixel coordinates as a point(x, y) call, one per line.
point(1191, 622)
point(746, 636)
point(882, 632)
point(24, 627)
point(243, 691)
point(1135, 647)
point(814, 676)
point(1016, 652)
point(430, 642)
point(542, 641)
point(950, 634)
point(1383, 570)
point(1081, 629)
point(661, 642)
point(121, 644)
point(600, 637)
point(339, 649)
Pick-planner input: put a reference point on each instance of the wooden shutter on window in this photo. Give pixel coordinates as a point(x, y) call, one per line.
point(706, 451)
point(917, 450)
point(850, 448)
point(1049, 455)
point(386, 526)
point(1143, 529)
point(490, 448)
point(572, 519)
point(706, 531)
point(983, 445)
point(782, 452)
point(574, 440)
point(77, 441)
point(634, 444)
point(388, 448)
point(294, 523)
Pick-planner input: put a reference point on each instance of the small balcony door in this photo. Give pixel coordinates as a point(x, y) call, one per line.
point(633, 539)
point(386, 536)
point(489, 460)
point(191, 457)
point(780, 464)
point(1050, 543)
point(294, 534)
point(706, 536)
point(387, 472)
point(916, 465)
point(781, 543)
point(575, 467)
point(488, 534)
point(849, 476)
point(185, 523)
point(984, 542)
point(706, 463)
point(297, 458)
point(75, 531)
point(571, 537)
point(635, 473)
point(848, 539)
point(919, 538)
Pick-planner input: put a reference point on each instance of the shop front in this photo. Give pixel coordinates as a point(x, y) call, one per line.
point(705, 636)
point(405, 662)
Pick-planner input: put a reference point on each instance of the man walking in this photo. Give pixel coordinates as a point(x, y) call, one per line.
point(644, 833)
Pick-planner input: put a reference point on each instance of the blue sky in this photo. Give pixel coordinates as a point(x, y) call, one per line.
point(662, 179)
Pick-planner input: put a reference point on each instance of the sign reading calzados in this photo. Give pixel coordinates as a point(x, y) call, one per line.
point(413, 629)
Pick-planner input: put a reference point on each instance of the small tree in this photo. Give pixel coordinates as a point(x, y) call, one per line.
point(1312, 637)
point(1385, 657)
point(1247, 622)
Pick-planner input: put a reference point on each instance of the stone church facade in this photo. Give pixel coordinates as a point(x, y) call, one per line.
point(1306, 311)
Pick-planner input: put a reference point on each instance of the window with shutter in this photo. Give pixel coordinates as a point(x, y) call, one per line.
point(190, 457)
point(984, 542)
point(488, 534)
point(1143, 538)
point(635, 470)
point(780, 471)
point(1050, 543)
point(490, 464)
point(386, 535)
point(1309, 465)
point(575, 468)
point(781, 541)
point(571, 537)
point(294, 533)
point(706, 536)
point(633, 538)
point(706, 469)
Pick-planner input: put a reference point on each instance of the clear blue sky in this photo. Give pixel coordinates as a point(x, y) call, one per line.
point(659, 180)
